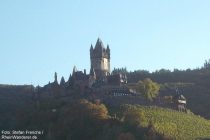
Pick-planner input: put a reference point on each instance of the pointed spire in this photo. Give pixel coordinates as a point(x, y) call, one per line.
point(99, 44)
point(107, 47)
point(108, 51)
point(69, 77)
point(99, 40)
point(62, 82)
point(91, 47)
point(56, 78)
point(74, 70)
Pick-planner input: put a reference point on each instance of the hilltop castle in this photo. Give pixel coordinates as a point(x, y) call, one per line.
point(100, 73)
point(100, 82)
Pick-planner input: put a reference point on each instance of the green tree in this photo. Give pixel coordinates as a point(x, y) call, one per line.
point(148, 88)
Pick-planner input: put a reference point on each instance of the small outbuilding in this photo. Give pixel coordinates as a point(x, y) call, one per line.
point(180, 102)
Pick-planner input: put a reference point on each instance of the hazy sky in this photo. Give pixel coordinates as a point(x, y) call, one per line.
point(39, 37)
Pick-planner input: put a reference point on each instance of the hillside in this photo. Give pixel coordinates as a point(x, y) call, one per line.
point(19, 103)
point(192, 83)
point(172, 123)
point(17, 109)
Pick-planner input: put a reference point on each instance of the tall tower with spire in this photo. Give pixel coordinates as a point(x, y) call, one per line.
point(100, 60)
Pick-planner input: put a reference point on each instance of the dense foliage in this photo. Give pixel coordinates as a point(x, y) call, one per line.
point(148, 88)
point(70, 118)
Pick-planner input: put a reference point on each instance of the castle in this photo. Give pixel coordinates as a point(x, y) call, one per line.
point(99, 75)
point(100, 82)
point(112, 84)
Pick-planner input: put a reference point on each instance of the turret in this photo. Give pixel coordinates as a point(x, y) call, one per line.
point(55, 78)
point(74, 70)
point(91, 50)
point(62, 82)
point(92, 72)
point(92, 77)
point(108, 51)
point(69, 77)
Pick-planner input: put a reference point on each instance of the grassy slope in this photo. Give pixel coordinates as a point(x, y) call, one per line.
point(177, 124)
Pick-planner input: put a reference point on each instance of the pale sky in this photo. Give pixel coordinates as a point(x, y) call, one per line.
point(39, 37)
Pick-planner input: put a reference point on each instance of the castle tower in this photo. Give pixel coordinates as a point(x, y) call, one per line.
point(100, 60)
